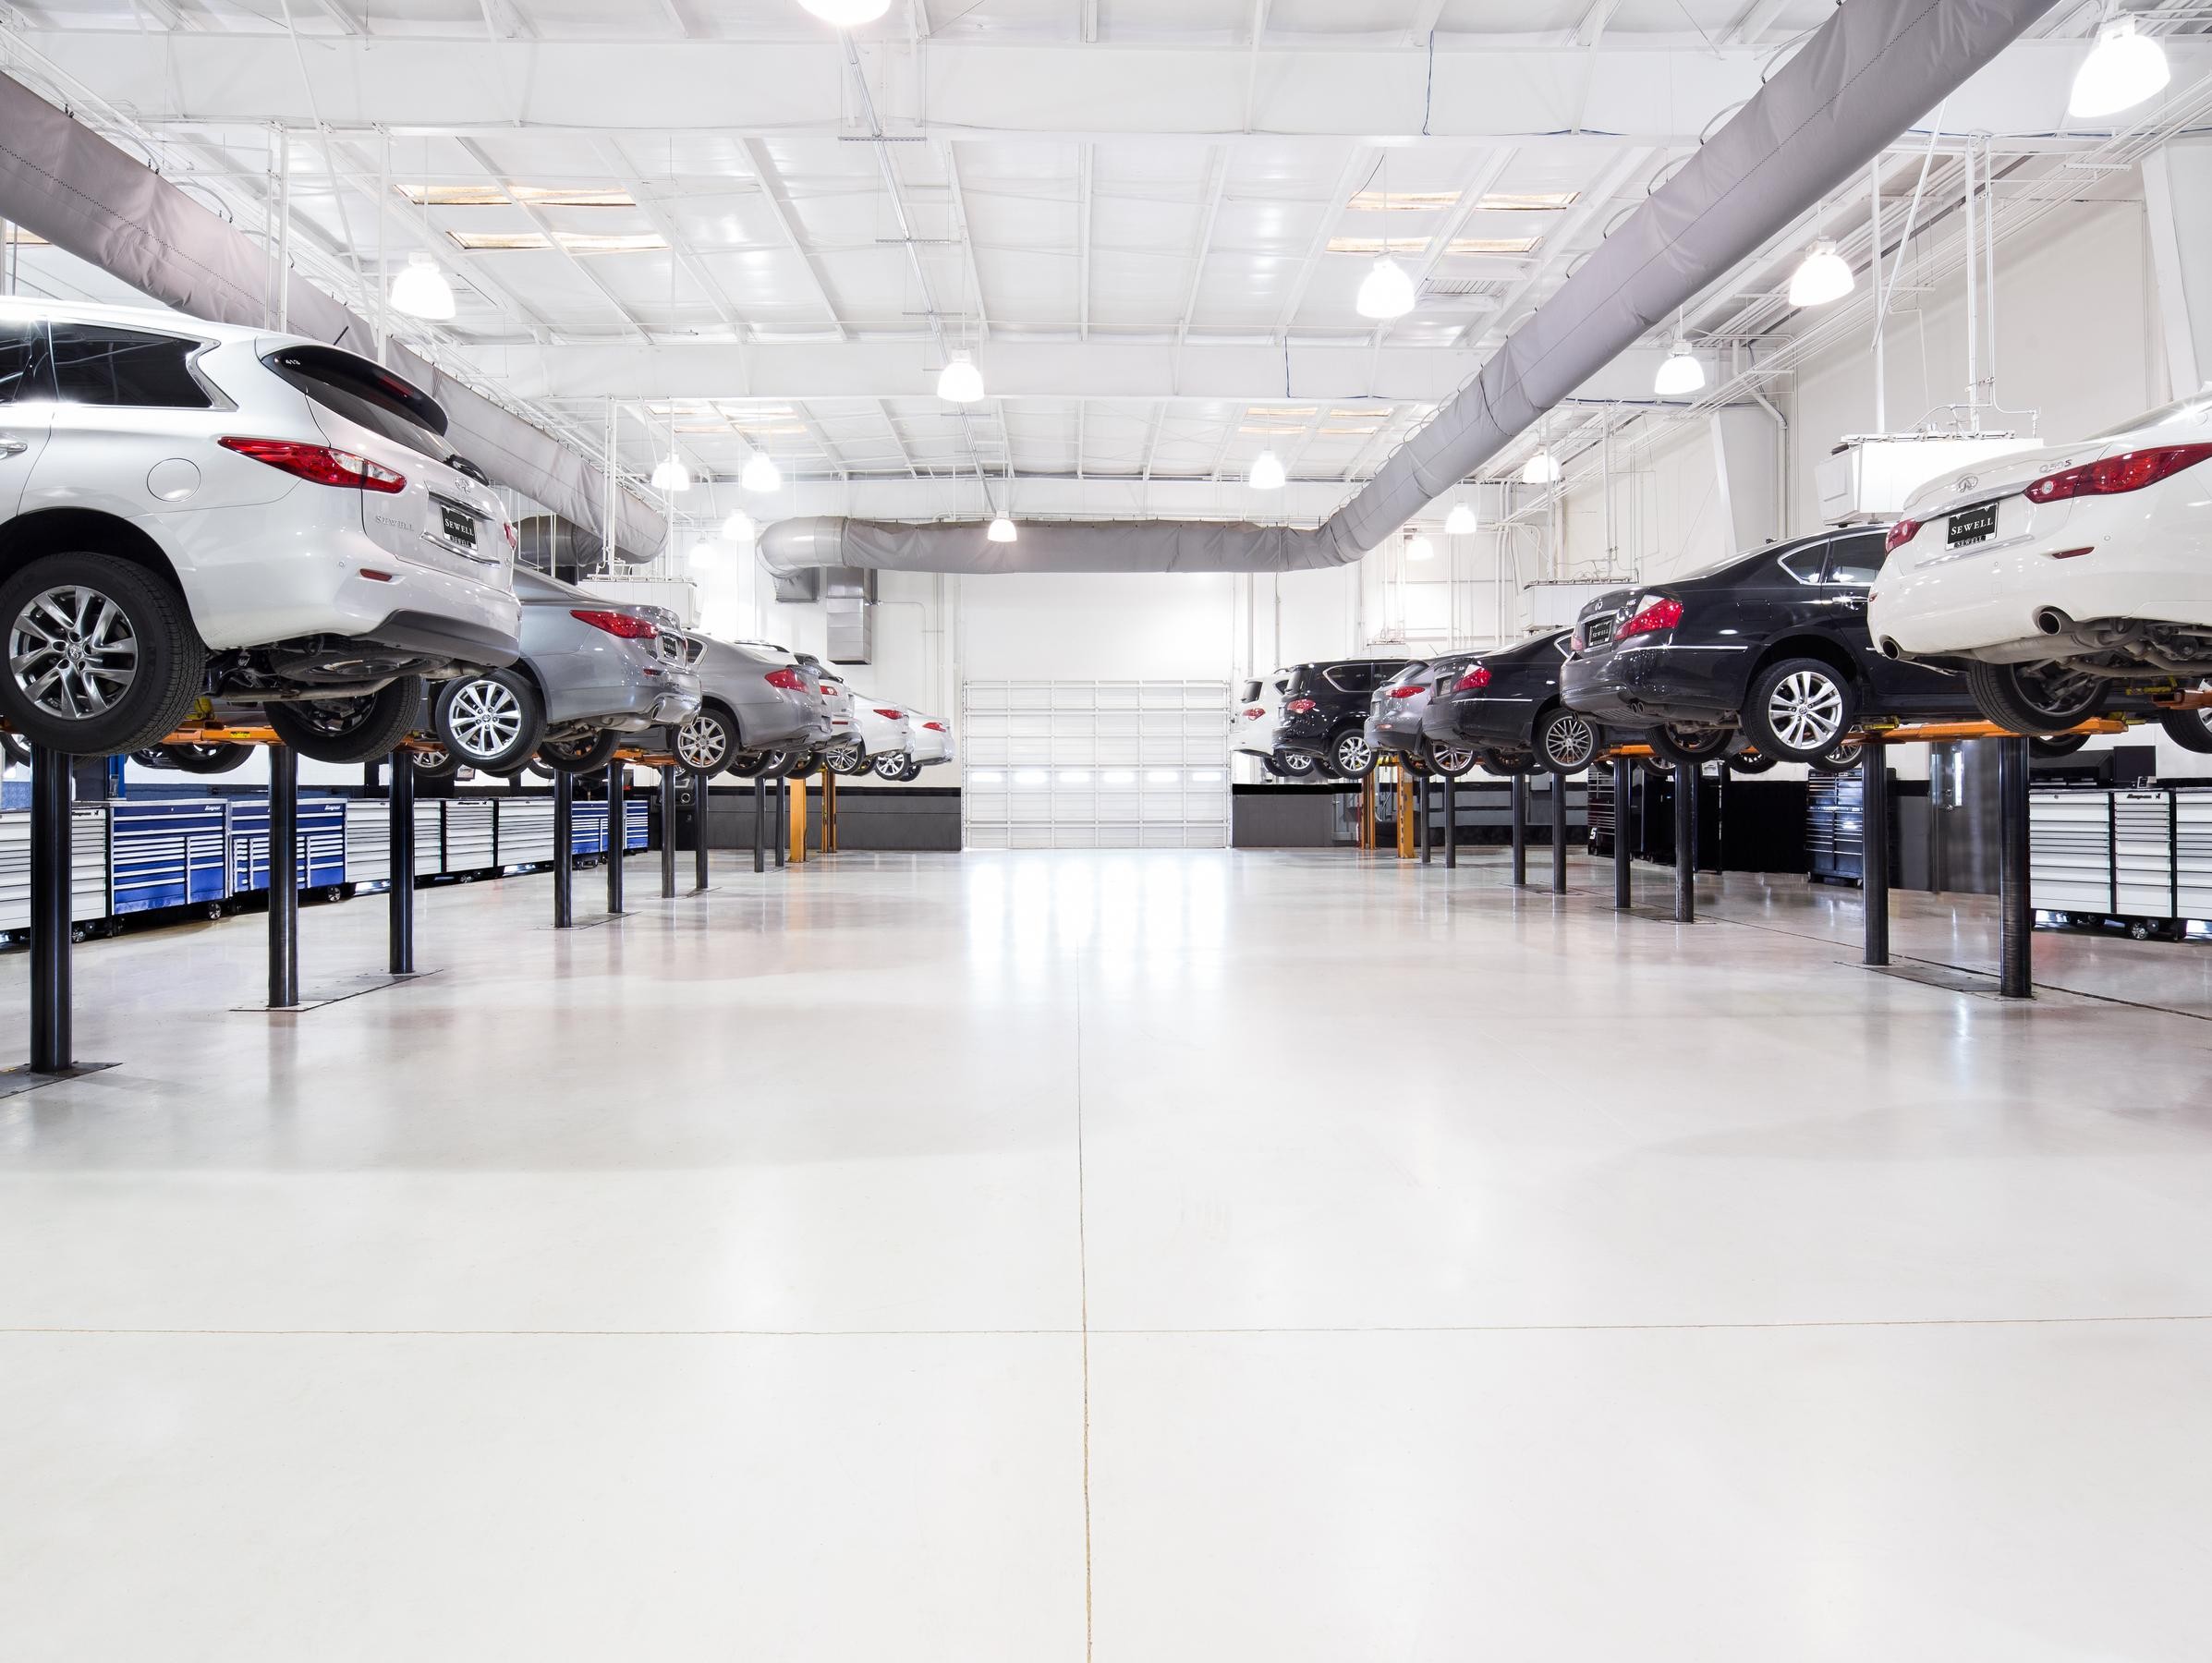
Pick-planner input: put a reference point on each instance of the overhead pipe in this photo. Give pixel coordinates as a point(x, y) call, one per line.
point(1863, 78)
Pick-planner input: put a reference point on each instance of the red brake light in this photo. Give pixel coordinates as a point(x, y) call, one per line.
point(788, 678)
point(2129, 471)
point(1255, 713)
point(829, 690)
point(936, 727)
point(617, 624)
point(1407, 691)
point(889, 715)
point(1658, 615)
point(1900, 534)
point(1473, 679)
point(1298, 707)
point(318, 463)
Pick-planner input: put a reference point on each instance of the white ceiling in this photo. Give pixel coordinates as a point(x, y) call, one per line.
point(1150, 292)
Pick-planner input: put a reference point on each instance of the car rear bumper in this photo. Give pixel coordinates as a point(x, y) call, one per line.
point(1478, 723)
point(1662, 682)
point(1984, 605)
point(657, 694)
point(1394, 736)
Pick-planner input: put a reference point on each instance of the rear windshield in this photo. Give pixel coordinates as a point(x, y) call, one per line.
point(1249, 691)
point(357, 390)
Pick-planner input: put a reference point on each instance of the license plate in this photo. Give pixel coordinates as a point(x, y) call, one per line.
point(459, 525)
point(1972, 526)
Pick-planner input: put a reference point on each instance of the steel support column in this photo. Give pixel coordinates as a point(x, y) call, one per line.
point(1451, 821)
point(668, 833)
point(563, 836)
point(284, 876)
point(2015, 904)
point(1685, 844)
point(399, 898)
point(618, 836)
point(698, 832)
point(1874, 841)
point(1559, 834)
point(1623, 794)
point(53, 1041)
point(1520, 813)
point(759, 825)
point(1427, 819)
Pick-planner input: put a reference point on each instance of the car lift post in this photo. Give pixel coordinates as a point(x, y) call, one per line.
point(698, 832)
point(1623, 876)
point(1451, 821)
point(1427, 821)
point(1520, 813)
point(399, 896)
point(284, 876)
point(618, 836)
point(1874, 844)
point(668, 811)
point(1559, 834)
point(783, 795)
point(1685, 844)
point(2015, 906)
point(759, 825)
point(563, 836)
point(53, 1044)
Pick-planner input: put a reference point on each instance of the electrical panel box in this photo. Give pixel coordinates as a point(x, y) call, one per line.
point(1869, 475)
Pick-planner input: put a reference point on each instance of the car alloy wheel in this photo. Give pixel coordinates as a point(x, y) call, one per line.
point(891, 765)
point(1805, 710)
point(1296, 765)
point(1568, 740)
point(72, 651)
point(701, 745)
point(1353, 754)
point(1450, 761)
point(485, 718)
point(2047, 697)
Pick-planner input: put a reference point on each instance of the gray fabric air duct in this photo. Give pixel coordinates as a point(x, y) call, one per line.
point(62, 180)
point(1865, 77)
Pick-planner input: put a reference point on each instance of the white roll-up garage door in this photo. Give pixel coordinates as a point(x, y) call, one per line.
point(1095, 764)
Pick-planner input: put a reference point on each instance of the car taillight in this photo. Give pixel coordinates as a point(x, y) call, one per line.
point(936, 727)
point(1298, 707)
point(828, 691)
point(1404, 692)
point(514, 538)
point(2129, 471)
point(787, 678)
point(1900, 534)
point(1473, 679)
point(318, 463)
point(889, 715)
point(1658, 615)
point(1255, 713)
point(617, 624)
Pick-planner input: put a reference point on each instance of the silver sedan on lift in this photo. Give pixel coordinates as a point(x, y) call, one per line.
point(761, 713)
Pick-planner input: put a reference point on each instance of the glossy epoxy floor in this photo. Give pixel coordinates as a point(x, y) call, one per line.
point(1160, 1258)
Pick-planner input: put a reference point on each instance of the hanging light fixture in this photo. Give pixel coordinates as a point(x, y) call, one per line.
point(761, 474)
point(2122, 69)
point(420, 290)
point(738, 528)
point(847, 14)
point(1001, 530)
point(671, 475)
point(1821, 277)
point(1267, 472)
point(1541, 469)
point(1679, 372)
point(1386, 292)
point(1418, 547)
point(1460, 522)
point(960, 382)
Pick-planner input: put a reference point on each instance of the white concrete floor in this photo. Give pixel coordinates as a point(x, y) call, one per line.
point(1159, 1258)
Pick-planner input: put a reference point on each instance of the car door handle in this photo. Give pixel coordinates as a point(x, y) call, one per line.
point(10, 446)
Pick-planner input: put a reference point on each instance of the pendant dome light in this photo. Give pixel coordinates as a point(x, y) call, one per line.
point(1460, 522)
point(847, 14)
point(1001, 531)
point(1679, 372)
point(1541, 469)
point(761, 474)
point(671, 475)
point(960, 382)
point(738, 528)
point(1267, 472)
point(1822, 276)
point(2122, 69)
point(1418, 547)
point(420, 290)
point(1386, 292)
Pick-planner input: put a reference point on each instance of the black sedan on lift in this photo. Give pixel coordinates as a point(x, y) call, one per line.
point(1505, 706)
point(1773, 644)
point(1395, 716)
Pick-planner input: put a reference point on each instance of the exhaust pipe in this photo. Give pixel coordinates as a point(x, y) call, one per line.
point(2051, 621)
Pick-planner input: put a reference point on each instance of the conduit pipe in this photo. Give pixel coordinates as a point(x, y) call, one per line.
point(1863, 78)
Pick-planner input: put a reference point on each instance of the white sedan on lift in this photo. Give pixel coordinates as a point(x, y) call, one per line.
point(2059, 576)
point(879, 729)
point(929, 744)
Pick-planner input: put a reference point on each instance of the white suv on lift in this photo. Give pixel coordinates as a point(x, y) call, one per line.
point(192, 510)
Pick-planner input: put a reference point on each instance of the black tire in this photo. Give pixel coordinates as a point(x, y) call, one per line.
point(1694, 746)
point(15, 750)
point(1506, 764)
point(2047, 697)
point(891, 765)
point(2050, 748)
point(1294, 765)
point(433, 764)
point(195, 758)
point(912, 773)
point(584, 756)
point(128, 624)
point(846, 758)
point(1564, 741)
point(1798, 709)
point(491, 721)
point(1839, 758)
point(1749, 762)
point(2191, 730)
point(359, 728)
point(1450, 761)
point(1350, 755)
point(706, 741)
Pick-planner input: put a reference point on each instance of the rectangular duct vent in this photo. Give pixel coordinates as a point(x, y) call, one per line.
point(849, 600)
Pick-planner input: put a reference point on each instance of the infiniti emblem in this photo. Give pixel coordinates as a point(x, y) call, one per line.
point(1965, 482)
